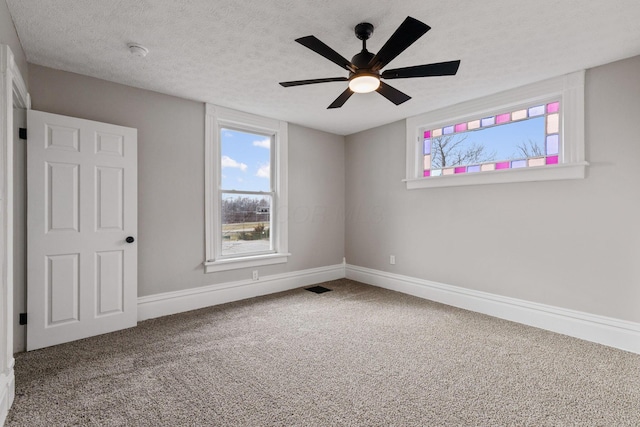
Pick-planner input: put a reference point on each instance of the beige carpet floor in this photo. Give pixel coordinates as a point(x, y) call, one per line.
point(356, 356)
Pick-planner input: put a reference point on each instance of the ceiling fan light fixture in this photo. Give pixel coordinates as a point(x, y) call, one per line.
point(364, 83)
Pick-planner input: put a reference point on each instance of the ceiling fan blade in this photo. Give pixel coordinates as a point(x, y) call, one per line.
point(339, 102)
point(428, 70)
point(406, 34)
point(392, 94)
point(320, 48)
point(313, 81)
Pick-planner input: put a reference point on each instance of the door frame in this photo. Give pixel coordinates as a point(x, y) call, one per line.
point(13, 93)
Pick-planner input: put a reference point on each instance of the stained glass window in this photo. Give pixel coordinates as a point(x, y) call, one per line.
point(521, 138)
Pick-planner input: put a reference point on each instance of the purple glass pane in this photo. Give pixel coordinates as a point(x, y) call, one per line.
point(536, 111)
point(552, 160)
point(461, 127)
point(461, 169)
point(554, 107)
point(427, 173)
point(427, 147)
point(488, 121)
point(503, 165)
point(552, 144)
point(519, 164)
point(503, 118)
point(475, 168)
point(447, 130)
point(427, 134)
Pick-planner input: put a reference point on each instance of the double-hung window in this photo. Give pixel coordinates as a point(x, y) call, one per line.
point(246, 190)
point(532, 133)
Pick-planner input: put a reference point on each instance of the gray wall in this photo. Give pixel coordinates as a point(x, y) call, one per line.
point(9, 37)
point(571, 244)
point(171, 180)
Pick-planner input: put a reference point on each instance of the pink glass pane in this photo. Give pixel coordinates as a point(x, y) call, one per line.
point(427, 173)
point(461, 169)
point(536, 111)
point(519, 164)
point(427, 134)
point(552, 160)
point(436, 132)
point(475, 124)
point(554, 107)
point(488, 121)
point(475, 168)
point(427, 162)
point(519, 115)
point(503, 118)
point(539, 161)
point(447, 130)
point(488, 167)
point(552, 144)
point(503, 165)
point(461, 127)
point(447, 171)
point(553, 123)
point(426, 147)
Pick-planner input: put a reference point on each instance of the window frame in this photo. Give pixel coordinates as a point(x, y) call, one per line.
point(568, 89)
point(216, 119)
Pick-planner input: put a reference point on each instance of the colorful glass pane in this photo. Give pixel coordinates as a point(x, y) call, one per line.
point(448, 171)
point(427, 134)
point(536, 111)
point(519, 164)
point(436, 132)
point(447, 130)
point(460, 169)
point(426, 146)
point(488, 167)
point(552, 160)
point(503, 118)
point(503, 165)
point(427, 162)
point(436, 172)
point(553, 123)
point(474, 168)
point(461, 127)
point(552, 144)
point(519, 115)
point(474, 124)
point(427, 173)
point(553, 107)
point(488, 121)
point(539, 161)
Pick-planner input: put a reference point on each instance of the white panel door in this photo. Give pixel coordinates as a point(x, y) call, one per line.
point(81, 228)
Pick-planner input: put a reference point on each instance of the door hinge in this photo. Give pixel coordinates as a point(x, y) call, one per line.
point(22, 133)
point(23, 318)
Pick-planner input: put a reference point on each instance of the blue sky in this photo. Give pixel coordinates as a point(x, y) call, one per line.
point(245, 161)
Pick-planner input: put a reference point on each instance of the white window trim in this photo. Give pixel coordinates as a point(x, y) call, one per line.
point(217, 117)
point(569, 89)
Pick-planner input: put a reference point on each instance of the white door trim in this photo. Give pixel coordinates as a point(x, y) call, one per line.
point(13, 92)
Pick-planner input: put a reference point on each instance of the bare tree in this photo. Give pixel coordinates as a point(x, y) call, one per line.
point(528, 149)
point(452, 150)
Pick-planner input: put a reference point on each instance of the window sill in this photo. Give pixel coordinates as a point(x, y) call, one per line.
point(544, 173)
point(245, 262)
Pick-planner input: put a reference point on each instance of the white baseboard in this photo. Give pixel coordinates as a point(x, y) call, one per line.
point(7, 393)
point(608, 331)
point(167, 303)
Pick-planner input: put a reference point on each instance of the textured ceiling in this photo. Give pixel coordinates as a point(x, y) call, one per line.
point(233, 53)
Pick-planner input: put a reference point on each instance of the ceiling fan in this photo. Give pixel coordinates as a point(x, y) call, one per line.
point(364, 68)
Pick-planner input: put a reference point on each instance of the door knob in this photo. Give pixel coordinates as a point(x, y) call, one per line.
point(130, 239)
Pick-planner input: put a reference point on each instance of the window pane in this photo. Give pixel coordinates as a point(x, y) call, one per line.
point(246, 224)
point(245, 161)
point(511, 141)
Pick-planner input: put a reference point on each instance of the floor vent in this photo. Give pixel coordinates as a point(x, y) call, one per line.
point(318, 289)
